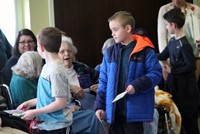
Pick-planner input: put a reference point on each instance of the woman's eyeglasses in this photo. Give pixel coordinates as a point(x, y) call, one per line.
point(28, 42)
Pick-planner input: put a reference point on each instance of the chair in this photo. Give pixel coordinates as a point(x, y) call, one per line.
point(5, 92)
point(168, 112)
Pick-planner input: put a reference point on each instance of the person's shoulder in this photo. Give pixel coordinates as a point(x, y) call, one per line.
point(184, 40)
point(97, 68)
point(172, 39)
point(13, 58)
point(115, 47)
point(53, 68)
point(20, 78)
point(12, 61)
point(194, 7)
point(57, 66)
point(166, 7)
point(79, 64)
point(1, 33)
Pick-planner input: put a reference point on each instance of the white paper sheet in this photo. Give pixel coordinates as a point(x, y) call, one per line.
point(119, 96)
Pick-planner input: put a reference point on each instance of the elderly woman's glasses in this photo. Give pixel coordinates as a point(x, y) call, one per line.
point(65, 50)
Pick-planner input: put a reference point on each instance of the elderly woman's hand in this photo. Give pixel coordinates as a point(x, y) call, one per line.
point(78, 91)
point(198, 44)
point(94, 88)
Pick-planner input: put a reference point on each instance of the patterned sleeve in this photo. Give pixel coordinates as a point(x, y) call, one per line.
point(162, 32)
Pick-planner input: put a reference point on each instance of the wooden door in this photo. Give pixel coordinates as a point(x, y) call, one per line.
point(86, 22)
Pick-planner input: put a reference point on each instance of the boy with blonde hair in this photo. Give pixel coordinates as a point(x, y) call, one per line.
point(129, 66)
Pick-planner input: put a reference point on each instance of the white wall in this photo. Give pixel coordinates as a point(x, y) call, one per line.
point(18, 14)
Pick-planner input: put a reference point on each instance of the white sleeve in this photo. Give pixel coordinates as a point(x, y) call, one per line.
point(162, 31)
point(198, 21)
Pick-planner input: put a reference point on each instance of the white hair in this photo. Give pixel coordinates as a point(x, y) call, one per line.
point(69, 41)
point(109, 42)
point(29, 65)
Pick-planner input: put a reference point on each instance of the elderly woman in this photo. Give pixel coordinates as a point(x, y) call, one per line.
point(23, 84)
point(83, 79)
point(109, 42)
point(25, 41)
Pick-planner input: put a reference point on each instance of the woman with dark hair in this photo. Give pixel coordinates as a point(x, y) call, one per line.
point(25, 41)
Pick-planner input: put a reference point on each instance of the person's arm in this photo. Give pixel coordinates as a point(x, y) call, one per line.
point(22, 89)
point(164, 55)
point(60, 90)
point(153, 73)
point(28, 104)
point(162, 31)
point(197, 13)
point(8, 47)
point(7, 72)
point(100, 102)
point(100, 114)
point(78, 91)
point(59, 103)
point(94, 87)
point(189, 61)
point(94, 76)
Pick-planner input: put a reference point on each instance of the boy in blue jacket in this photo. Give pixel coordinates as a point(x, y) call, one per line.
point(129, 66)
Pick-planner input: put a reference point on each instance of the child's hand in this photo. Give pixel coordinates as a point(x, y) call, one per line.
point(24, 106)
point(130, 89)
point(94, 88)
point(80, 93)
point(166, 68)
point(77, 90)
point(100, 114)
point(198, 42)
point(28, 115)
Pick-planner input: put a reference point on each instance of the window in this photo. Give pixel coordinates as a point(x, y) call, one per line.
point(8, 19)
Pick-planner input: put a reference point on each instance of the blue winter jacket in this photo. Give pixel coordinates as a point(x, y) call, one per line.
point(144, 73)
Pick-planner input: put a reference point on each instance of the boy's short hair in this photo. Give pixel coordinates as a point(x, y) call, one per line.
point(125, 18)
point(176, 16)
point(50, 38)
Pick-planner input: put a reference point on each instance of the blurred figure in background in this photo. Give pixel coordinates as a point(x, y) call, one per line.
point(23, 85)
point(82, 79)
point(25, 41)
point(191, 28)
point(109, 42)
point(5, 50)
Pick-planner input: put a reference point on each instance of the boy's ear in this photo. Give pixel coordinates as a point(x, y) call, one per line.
point(128, 28)
point(41, 47)
point(173, 25)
